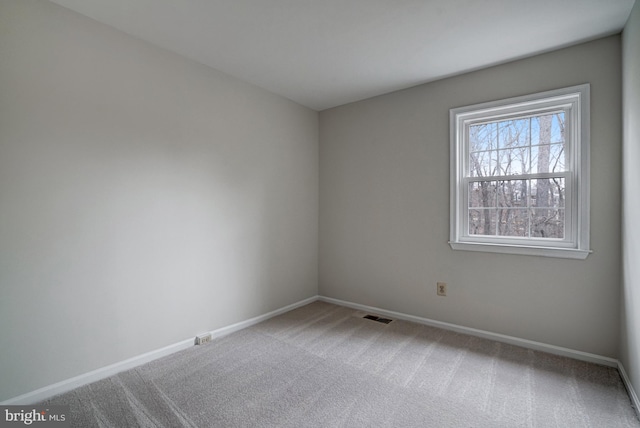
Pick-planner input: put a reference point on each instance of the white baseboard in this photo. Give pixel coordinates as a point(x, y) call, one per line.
point(95, 375)
point(104, 372)
point(632, 393)
point(248, 323)
point(530, 344)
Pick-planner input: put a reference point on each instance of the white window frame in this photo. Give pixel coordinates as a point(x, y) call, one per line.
point(574, 101)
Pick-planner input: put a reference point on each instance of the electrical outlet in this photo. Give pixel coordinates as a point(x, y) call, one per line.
point(203, 338)
point(441, 288)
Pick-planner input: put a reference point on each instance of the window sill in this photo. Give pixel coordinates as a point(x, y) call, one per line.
point(564, 253)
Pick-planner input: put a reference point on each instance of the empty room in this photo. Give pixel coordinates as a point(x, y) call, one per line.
point(285, 213)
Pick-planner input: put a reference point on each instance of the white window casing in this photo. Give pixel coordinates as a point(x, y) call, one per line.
point(572, 104)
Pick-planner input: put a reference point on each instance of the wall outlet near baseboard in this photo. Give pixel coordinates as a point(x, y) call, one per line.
point(441, 288)
point(203, 338)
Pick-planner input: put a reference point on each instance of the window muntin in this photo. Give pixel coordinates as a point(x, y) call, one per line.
point(520, 174)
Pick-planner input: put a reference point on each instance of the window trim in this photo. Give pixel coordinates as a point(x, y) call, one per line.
point(575, 101)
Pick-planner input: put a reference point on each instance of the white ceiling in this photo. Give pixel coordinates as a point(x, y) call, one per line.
point(324, 53)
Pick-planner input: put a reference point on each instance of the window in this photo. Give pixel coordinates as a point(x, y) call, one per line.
point(520, 175)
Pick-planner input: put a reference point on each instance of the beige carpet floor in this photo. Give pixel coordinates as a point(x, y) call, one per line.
point(323, 365)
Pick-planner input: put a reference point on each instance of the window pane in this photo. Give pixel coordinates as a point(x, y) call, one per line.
point(514, 161)
point(513, 222)
point(557, 158)
point(482, 164)
point(482, 137)
point(513, 193)
point(547, 223)
point(558, 192)
point(557, 128)
point(540, 130)
point(548, 193)
point(513, 133)
point(547, 136)
point(482, 194)
point(482, 221)
point(541, 159)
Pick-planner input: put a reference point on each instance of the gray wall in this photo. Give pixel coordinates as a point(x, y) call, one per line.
point(144, 198)
point(384, 209)
point(630, 306)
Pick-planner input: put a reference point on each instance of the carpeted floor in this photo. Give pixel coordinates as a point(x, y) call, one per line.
point(324, 366)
